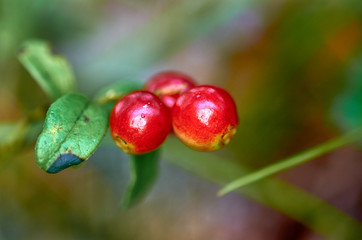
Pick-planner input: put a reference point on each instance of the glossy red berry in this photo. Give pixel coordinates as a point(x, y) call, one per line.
point(139, 122)
point(205, 118)
point(169, 85)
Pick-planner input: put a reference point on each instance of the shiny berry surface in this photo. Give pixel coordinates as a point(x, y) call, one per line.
point(205, 118)
point(139, 122)
point(169, 85)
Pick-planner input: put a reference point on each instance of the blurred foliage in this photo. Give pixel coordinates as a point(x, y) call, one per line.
point(293, 74)
point(347, 108)
point(172, 29)
point(54, 20)
point(298, 204)
point(52, 73)
point(11, 134)
point(286, 80)
point(17, 136)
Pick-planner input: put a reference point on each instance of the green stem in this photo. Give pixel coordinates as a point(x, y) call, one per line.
point(295, 160)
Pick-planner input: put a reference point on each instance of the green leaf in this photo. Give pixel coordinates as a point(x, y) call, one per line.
point(295, 160)
point(73, 129)
point(115, 91)
point(52, 72)
point(144, 171)
point(293, 202)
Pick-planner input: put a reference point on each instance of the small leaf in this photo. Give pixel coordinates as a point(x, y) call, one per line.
point(73, 129)
point(115, 91)
point(144, 171)
point(53, 73)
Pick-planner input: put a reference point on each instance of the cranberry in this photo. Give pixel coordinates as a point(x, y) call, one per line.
point(139, 122)
point(169, 85)
point(205, 118)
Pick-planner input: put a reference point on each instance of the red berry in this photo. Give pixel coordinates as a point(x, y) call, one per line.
point(169, 85)
point(139, 122)
point(205, 118)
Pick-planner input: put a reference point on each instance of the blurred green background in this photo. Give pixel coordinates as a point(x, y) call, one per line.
point(293, 67)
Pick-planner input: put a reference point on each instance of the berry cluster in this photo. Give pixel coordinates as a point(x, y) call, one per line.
point(203, 117)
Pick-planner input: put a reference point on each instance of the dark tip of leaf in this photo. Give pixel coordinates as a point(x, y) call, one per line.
point(64, 161)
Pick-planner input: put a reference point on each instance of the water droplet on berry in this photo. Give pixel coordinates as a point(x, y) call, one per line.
point(198, 96)
point(142, 115)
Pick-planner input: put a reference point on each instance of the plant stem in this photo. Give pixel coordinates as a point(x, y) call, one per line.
point(295, 160)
